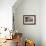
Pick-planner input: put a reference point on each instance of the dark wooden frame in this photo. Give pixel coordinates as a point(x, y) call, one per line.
point(29, 22)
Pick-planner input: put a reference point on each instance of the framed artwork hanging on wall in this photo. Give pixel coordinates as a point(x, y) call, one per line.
point(29, 19)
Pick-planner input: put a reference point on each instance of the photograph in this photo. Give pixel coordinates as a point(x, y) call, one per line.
point(29, 19)
point(22, 22)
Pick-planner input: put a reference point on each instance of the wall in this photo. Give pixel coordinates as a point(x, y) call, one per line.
point(43, 22)
point(28, 7)
point(6, 13)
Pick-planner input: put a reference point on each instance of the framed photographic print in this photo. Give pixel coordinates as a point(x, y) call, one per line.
point(29, 19)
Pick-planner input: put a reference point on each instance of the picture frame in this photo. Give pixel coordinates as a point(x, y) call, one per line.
point(29, 19)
